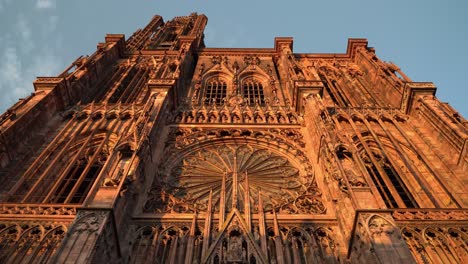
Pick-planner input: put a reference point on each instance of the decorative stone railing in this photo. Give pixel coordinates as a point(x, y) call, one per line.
point(8, 210)
point(237, 114)
point(432, 214)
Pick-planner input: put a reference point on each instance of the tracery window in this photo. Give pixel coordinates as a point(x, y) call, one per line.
point(229, 165)
point(389, 184)
point(252, 90)
point(68, 176)
point(215, 91)
point(78, 181)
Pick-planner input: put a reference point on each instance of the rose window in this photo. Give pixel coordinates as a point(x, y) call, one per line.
point(233, 174)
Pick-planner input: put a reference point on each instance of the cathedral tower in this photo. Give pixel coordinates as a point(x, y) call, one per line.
point(156, 149)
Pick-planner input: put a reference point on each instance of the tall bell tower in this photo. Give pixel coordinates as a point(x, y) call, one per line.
point(157, 149)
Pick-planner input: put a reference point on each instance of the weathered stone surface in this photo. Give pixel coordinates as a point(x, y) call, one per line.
point(157, 149)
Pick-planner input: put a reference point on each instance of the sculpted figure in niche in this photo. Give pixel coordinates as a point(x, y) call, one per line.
point(197, 87)
point(292, 119)
point(247, 118)
point(385, 235)
point(346, 159)
point(234, 252)
point(298, 71)
point(353, 70)
point(281, 119)
point(286, 49)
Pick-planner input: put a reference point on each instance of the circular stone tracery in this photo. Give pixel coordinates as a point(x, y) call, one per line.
point(186, 188)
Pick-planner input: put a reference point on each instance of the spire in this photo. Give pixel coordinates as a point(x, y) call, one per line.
point(206, 232)
point(278, 242)
point(189, 251)
point(234, 184)
point(261, 224)
point(222, 201)
point(247, 202)
point(194, 224)
point(275, 223)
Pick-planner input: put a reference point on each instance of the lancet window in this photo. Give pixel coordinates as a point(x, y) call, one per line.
point(76, 178)
point(389, 184)
point(215, 91)
point(252, 90)
point(77, 182)
point(68, 176)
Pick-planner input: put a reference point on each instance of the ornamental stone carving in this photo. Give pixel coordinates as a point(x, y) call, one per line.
point(234, 172)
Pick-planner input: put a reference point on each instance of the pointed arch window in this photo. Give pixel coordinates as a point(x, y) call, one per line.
point(77, 182)
point(215, 91)
point(252, 90)
point(389, 184)
point(68, 176)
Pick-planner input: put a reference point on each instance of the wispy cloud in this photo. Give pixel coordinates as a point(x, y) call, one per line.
point(27, 50)
point(12, 85)
point(45, 4)
point(24, 31)
point(3, 3)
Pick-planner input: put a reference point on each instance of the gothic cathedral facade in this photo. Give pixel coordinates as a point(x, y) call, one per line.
point(157, 149)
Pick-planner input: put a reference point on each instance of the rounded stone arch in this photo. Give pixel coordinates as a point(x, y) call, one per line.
point(49, 243)
point(386, 117)
point(84, 159)
point(382, 230)
point(430, 234)
point(389, 148)
point(95, 141)
point(166, 241)
point(252, 142)
point(10, 234)
point(257, 82)
point(31, 229)
point(141, 243)
point(370, 117)
point(357, 117)
point(126, 145)
point(390, 156)
point(343, 117)
point(374, 217)
point(144, 231)
point(438, 247)
point(25, 245)
point(454, 231)
point(399, 117)
point(225, 74)
point(224, 83)
point(222, 75)
point(298, 246)
point(112, 114)
point(56, 229)
point(257, 74)
point(369, 138)
point(98, 114)
point(459, 239)
point(178, 229)
point(326, 241)
point(342, 146)
point(303, 232)
point(413, 238)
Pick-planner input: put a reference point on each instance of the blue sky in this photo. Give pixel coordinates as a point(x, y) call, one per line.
point(428, 39)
